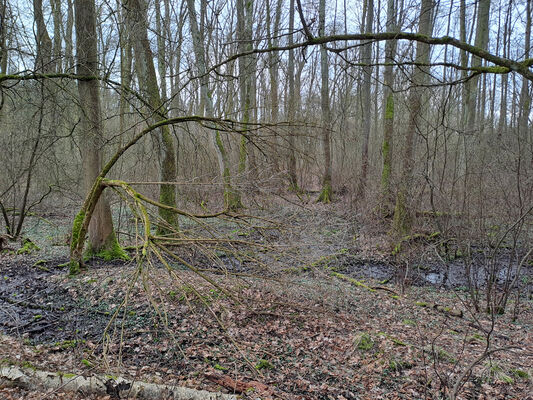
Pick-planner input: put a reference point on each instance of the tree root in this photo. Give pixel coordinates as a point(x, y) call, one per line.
point(117, 387)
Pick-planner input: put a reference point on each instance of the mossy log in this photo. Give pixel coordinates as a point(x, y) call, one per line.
point(102, 385)
point(453, 312)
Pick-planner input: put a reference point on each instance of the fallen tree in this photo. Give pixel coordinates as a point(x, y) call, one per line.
point(116, 387)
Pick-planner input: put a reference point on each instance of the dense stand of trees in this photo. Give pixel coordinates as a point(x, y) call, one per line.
point(414, 107)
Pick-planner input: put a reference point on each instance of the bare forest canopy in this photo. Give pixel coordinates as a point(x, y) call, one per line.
point(411, 107)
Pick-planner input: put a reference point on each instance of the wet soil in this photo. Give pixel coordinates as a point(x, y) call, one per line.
point(38, 302)
point(35, 304)
point(452, 275)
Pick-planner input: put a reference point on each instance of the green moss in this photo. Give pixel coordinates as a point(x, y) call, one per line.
point(496, 69)
point(69, 344)
point(111, 250)
point(87, 363)
point(28, 247)
point(167, 196)
point(76, 230)
point(172, 294)
point(402, 220)
point(352, 281)
point(232, 198)
point(221, 368)
point(263, 364)
point(364, 342)
point(409, 322)
point(441, 354)
point(389, 107)
point(519, 373)
point(28, 365)
point(326, 193)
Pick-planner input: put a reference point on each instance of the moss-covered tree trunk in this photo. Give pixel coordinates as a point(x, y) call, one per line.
point(402, 213)
point(326, 192)
point(136, 14)
point(101, 234)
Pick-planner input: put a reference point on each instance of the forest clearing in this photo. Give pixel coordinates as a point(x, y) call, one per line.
point(266, 199)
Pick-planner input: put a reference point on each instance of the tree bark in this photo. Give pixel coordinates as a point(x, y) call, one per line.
point(402, 222)
point(273, 70)
point(3, 37)
point(136, 14)
point(69, 48)
point(43, 60)
point(232, 198)
point(326, 193)
point(366, 101)
point(291, 109)
point(56, 13)
point(388, 111)
point(244, 37)
point(102, 240)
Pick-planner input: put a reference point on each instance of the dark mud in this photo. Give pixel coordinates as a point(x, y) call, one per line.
point(452, 275)
point(35, 305)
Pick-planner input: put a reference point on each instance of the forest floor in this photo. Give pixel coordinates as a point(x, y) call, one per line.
point(342, 321)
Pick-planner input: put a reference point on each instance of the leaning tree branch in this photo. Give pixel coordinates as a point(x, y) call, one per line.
point(501, 64)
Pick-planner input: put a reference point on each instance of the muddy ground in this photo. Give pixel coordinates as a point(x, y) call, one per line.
point(304, 333)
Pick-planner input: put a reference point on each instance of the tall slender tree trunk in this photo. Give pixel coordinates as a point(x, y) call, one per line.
point(69, 48)
point(144, 66)
point(388, 111)
point(525, 110)
point(126, 58)
point(481, 41)
point(244, 37)
point(366, 101)
point(43, 60)
point(273, 70)
point(57, 18)
point(471, 88)
point(291, 109)
point(102, 240)
point(326, 193)
point(232, 198)
point(3, 36)
point(402, 213)
point(161, 50)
